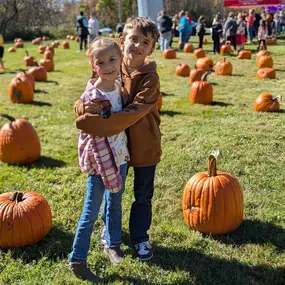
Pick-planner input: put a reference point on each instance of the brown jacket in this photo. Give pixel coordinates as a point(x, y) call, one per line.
point(140, 117)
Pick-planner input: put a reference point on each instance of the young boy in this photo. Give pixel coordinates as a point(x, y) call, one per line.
point(1, 52)
point(141, 119)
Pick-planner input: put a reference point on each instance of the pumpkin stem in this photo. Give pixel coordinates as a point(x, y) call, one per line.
point(204, 76)
point(212, 170)
point(8, 117)
point(17, 197)
point(27, 53)
point(277, 97)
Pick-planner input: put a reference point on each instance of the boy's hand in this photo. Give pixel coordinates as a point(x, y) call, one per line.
point(93, 107)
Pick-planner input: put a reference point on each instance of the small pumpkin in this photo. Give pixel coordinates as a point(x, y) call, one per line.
point(266, 102)
point(29, 60)
point(261, 53)
point(223, 67)
point(39, 73)
point(199, 53)
point(244, 54)
point(169, 53)
point(50, 48)
point(36, 41)
point(47, 64)
point(213, 201)
point(65, 45)
point(226, 48)
point(48, 55)
point(44, 38)
point(42, 49)
point(188, 47)
point(112, 35)
point(271, 41)
point(18, 43)
point(183, 70)
point(265, 61)
point(204, 63)
point(201, 91)
point(56, 44)
point(196, 75)
point(266, 72)
point(21, 90)
point(25, 218)
point(19, 142)
point(205, 41)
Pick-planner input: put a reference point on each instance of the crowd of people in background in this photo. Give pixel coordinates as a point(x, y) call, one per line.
point(234, 29)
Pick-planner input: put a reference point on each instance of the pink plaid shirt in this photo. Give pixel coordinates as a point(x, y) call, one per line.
point(98, 155)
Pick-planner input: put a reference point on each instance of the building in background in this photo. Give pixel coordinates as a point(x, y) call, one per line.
point(149, 8)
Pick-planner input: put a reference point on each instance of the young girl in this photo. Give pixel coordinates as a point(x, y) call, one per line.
point(200, 30)
point(262, 34)
point(104, 158)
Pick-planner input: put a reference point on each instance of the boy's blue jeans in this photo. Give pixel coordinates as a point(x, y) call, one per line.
point(141, 210)
point(111, 215)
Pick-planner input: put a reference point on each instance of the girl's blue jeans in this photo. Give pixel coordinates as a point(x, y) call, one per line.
point(184, 37)
point(250, 32)
point(111, 215)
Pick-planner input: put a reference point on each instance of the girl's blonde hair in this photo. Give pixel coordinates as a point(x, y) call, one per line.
point(99, 44)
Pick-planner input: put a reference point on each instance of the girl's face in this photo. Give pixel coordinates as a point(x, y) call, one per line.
point(138, 46)
point(107, 63)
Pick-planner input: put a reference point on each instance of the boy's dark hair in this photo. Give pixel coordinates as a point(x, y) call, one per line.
point(81, 13)
point(143, 24)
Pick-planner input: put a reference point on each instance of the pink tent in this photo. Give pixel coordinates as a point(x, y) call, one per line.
point(252, 3)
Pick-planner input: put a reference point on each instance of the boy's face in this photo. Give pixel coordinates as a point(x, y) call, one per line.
point(138, 46)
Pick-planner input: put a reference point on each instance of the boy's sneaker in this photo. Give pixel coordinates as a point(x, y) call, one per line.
point(102, 236)
point(82, 271)
point(115, 254)
point(143, 250)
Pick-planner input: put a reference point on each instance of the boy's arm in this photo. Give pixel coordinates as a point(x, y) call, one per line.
point(142, 104)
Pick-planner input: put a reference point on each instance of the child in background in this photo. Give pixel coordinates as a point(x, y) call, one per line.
point(200, 30)
point(1, 52)
point(217, 31)
point(141, 119)
point(104, 158)
point(262, 35)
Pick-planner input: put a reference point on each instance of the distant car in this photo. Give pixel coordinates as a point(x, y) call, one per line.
point(105, 31)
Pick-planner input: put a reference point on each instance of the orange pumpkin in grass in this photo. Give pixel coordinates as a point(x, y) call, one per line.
point(29, 60)
point(169, 53)
point(204, 63)
point(196, 75)
point(205, 41)
point(183, 70)
point(29, 76)
point(188, 48)
point(25, 218)
point(213, 201)
point(271, 41)
point(266, 102)
point(201, 91)
point(265, 61)
point(42, 49)
point(47, 64)
point(226, 48)
point(223, 67)
point(199, 53)
point(21, 90)
point(266, 72)
point(39, 73)
point(65, 45)
point(260, 54)
point(50, 48)
point(19, 142)
point(244, 54)
point(48, 55)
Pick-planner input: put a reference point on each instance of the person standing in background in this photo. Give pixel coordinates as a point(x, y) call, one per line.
point(230, 30)
point(1, 52)
point(200, 30)
point(82, 31)
point(184, 28)
point(164, 24)
point(93, 27)
point(217, 31)
point(249, 25)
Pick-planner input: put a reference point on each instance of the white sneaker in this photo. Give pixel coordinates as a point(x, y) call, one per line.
point(143, 250)
point(102, 236)
point(79, 50)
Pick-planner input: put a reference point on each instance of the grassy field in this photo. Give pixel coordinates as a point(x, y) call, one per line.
point(253, 150)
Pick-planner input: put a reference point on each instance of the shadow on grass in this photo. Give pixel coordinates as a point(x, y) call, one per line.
point(8, 72)
point(40, 104)
point(51, 81)
point(40, 91)
point(47, 162)
point(221, 104)
point(166, 94)
point(255, 232)
point(207, 269)
point(169, 113)
point(56, 245)
point(127, 280)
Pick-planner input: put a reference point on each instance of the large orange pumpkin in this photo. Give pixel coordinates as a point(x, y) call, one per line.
point(39, 73)
point(188, 47)
point(213, 201)
point(47, 64)
point(169, 53)
point(196, 75)
point(21, 90)
point(201, 91)
point(260, 54)
point(266, 72)
point(25, 218)
point(19, 142)
point(223, 67)
point(244, 54)
point(226, 48)
point(265, 61)
point(29, 76)
point(266, 102)
point(183, 70)
point(204, 63)
point(199, 53)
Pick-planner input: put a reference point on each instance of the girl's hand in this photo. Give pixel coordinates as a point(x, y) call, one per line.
point(93, 107)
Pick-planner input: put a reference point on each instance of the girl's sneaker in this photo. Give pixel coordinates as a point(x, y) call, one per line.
point(143, 250)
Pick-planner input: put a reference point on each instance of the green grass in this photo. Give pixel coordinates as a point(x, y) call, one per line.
point(253, 150)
